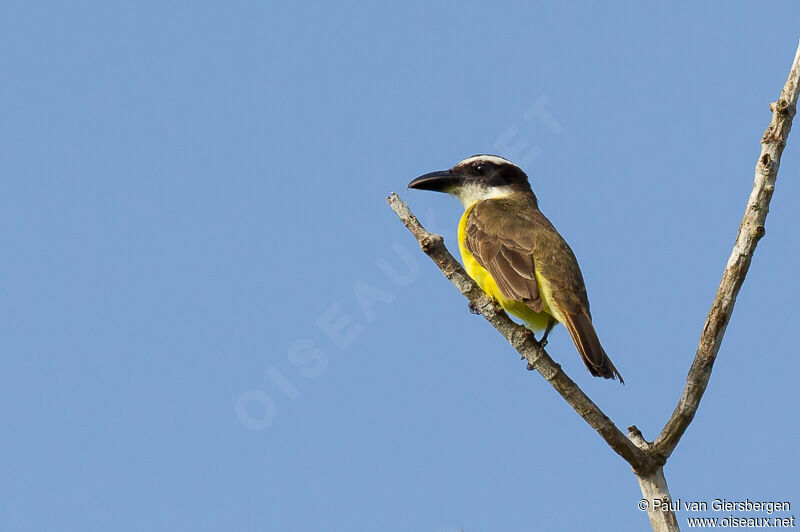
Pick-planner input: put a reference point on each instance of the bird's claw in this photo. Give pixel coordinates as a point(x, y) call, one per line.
point(543, 343)
point(473, 308)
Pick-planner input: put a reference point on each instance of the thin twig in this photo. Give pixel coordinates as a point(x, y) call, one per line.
point(750, 232)
point(646, 458)
point(523, 341)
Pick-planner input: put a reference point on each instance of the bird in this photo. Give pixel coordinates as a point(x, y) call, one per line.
point(513, 252)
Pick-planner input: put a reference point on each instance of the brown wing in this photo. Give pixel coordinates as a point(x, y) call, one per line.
point(512, 239)
point(502, 244)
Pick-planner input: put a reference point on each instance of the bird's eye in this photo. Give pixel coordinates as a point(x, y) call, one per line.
point(479, 169)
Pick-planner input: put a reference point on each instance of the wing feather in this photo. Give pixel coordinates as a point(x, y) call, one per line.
point(507, 257)
point(513, 240)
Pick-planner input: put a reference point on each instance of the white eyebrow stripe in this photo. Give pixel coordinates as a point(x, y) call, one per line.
point(488, 158)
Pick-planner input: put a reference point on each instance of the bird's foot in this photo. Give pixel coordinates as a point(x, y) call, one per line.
point(550, 324)
point(498, 308)
point(473, 308)
point(543, 342)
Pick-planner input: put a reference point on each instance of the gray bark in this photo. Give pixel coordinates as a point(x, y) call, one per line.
point(647, 459)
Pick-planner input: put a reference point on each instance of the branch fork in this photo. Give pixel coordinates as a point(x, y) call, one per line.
point(646, 458)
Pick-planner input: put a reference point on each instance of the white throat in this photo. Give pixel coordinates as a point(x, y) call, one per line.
point(471, 193)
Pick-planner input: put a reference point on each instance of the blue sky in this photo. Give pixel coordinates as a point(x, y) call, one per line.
point(193, 206)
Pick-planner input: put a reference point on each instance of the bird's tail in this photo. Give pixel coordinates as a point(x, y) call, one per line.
point(586, 341)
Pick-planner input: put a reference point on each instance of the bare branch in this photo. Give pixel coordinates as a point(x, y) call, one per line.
point(655, 492)
point(523, 341)
point(646, 458)
point(750, 232)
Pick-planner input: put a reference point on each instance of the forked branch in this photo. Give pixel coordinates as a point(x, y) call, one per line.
point(646, 458)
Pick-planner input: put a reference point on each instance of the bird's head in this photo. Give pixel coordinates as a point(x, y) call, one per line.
point(476, 178)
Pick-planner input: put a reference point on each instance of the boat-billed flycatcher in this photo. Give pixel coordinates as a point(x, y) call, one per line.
point(516, 255)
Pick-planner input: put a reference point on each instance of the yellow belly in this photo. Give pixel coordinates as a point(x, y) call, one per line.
point(536, 321)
